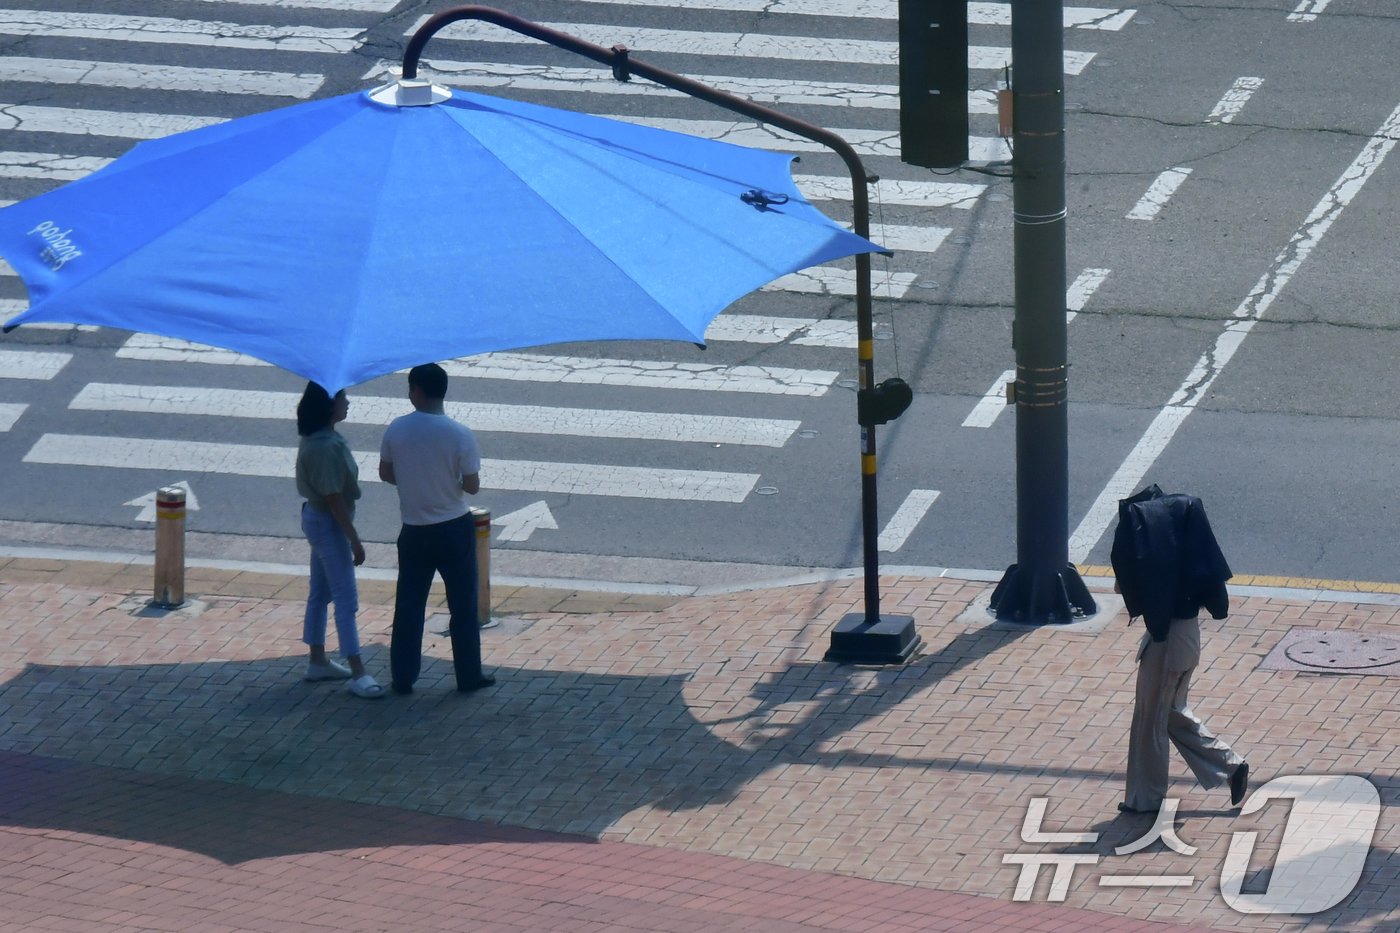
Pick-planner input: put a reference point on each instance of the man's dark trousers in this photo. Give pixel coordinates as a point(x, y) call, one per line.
point(448, 549)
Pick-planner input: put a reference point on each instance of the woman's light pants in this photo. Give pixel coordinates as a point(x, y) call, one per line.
point(332, 581)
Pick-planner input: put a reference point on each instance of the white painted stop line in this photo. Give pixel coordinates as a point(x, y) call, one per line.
point(580, 479)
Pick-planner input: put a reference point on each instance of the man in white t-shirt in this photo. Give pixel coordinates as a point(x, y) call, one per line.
point(433, 461)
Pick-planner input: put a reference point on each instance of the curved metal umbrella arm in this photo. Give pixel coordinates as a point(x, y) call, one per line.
point(623, 66)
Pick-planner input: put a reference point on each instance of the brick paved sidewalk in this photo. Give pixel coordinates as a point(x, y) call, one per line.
point(711, 771)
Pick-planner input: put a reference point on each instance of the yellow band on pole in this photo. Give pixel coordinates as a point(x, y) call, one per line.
point(867, 464)
point(866, 349)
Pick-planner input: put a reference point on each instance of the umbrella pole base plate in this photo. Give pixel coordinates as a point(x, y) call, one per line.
point(887, 640)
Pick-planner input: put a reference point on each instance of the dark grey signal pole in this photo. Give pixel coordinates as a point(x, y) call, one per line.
point(1042, 586)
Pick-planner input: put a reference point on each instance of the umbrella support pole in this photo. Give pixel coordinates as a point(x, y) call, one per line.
point(861, 638)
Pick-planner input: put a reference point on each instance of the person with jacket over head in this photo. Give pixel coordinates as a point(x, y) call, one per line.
point(1168, 567)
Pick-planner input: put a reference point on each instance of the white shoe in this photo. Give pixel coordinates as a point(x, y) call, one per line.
point(331, 670)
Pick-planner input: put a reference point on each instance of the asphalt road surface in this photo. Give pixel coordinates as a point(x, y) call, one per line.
point(1232, 188)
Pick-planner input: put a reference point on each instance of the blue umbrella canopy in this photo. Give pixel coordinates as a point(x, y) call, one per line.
point(350, 237)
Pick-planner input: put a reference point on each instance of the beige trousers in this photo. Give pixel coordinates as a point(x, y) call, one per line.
point(1161, 713)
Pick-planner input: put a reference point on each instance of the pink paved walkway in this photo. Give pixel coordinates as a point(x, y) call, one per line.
point(674, 767)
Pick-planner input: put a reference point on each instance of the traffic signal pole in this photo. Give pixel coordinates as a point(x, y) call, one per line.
point(1042, 586)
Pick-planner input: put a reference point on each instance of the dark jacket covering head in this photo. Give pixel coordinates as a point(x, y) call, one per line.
point(1167, 561)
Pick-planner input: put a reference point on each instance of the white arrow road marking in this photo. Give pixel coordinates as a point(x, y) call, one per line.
point(520, 524)
point(147, 503)
point(1164, 427)
point(140, 453)
point(908, 515)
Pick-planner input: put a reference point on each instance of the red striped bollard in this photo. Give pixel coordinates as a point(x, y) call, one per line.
point(170, 548)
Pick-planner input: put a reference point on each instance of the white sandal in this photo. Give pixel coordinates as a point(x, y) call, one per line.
point(365, 687)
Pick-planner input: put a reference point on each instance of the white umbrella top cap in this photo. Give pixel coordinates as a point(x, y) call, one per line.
point(409, 92)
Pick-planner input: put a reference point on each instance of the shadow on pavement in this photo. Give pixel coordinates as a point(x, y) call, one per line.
point(566, 750)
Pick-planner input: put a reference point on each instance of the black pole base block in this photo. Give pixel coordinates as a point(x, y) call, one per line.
point(1046, 597)
point(888, 640)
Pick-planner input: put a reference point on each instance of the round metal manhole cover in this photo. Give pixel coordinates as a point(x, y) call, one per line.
point(1344, 650)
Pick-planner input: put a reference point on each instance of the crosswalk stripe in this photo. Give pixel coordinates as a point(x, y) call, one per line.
point(124, 124)
point(762, 136)
point(526, 367)
point(893, 191)
point(824, 280)
point(908, 239)
point(660, 374)
point(10, 412)
point(141, 453)
point(786, 91)
point(31, 364)
point(156, 29)
point(51, 166)
point(138, 76)
point(727, 328)
point(9, 307)
point(509, 419)
point(982, 14)
point(342, 6)
point(135, 125)
point(154, 348)
point(1078, 17)
point(807, 332)
point(742, 45)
